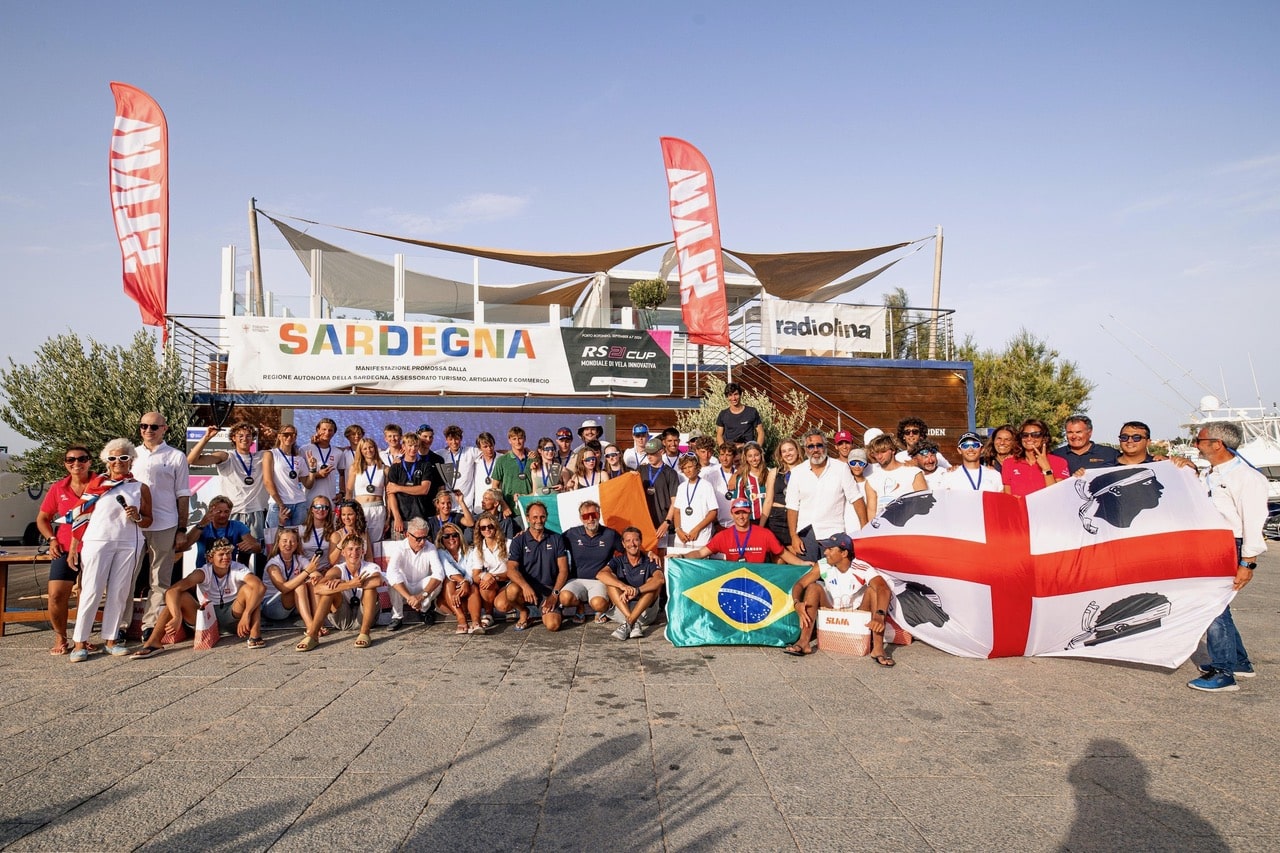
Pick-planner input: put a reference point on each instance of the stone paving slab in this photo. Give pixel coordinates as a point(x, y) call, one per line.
point(576, 741)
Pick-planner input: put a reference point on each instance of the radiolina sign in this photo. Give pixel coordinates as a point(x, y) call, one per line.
point(330, 355)
point(821, 327)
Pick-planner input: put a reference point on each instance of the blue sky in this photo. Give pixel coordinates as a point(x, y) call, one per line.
point(1085, 161)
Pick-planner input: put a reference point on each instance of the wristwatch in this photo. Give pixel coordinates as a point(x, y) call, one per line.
point(1250, 566)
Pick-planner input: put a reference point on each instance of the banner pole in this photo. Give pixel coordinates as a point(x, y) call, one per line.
point(937, 293)
point(255, 289)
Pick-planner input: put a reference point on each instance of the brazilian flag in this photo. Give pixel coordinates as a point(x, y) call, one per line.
point(722, 603)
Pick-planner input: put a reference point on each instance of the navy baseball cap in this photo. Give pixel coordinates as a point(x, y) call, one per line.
point(840, 540)
point(639, 429)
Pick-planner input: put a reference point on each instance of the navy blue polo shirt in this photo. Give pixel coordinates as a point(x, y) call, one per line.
point(538, 561)
point(589, 553)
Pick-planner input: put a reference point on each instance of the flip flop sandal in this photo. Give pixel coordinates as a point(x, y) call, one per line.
point(461, 629)
point(478, 628)
point(61, 647)
point(601, 619)
point(308, 643)
point(256, 643)
point(146, 652)
point(324, 631)
point(794, 651)
point(486, 622)
point(363, 641)
point(883, 660)
point(521, 626)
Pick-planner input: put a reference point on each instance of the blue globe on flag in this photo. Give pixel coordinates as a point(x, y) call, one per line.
point(745, 600)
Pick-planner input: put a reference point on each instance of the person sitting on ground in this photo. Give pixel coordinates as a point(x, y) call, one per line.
point(414, 575)
point(460, 595)
point(538, 567)
point(351, 522)
point(351, 575)
point(232, 590)
point(288, 584)
point(891, 479)
point(972, 474)
point(591, 545)
point(842, 584)
point(633, 583)
point(488, 564)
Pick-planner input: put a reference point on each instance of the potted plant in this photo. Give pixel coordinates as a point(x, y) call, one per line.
point(646, 296)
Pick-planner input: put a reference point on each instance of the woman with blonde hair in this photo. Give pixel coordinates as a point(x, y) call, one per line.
point(317, 530)
point(460, 595)
point(287, 579)
point(367, 486)
point(488, 563)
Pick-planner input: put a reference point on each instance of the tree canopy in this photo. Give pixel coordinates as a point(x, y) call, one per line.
point(85, 392)
point(1027, 379)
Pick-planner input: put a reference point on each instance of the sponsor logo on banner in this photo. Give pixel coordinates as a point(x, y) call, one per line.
point(620, 359)
point(696, 226)
point(822, 327)
point(324, 355)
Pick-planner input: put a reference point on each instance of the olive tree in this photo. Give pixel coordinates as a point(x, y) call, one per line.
point(80, 391)
point(785, 419)
point(1027, 379)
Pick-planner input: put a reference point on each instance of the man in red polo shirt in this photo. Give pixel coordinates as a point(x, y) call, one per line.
point(745, 542)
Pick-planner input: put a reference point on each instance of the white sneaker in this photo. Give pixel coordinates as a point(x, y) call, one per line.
point(637, 631)
point(622, 631)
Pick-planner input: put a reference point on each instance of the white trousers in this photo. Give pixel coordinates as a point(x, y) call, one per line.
point(105, 566)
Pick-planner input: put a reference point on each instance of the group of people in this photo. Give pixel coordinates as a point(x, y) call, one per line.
point(297, 528)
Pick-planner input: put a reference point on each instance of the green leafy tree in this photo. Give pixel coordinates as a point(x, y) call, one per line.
point(781, 420)
point(84, 392)
point(1027, 379)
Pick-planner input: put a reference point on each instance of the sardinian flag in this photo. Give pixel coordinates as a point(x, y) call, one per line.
point(697, 230)
point(1129, 563)
point(139, 172)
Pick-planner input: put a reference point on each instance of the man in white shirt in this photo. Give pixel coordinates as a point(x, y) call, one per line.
point(415, 575)
point(459, 467)
point(816, 497)
point(166, 472)
point(322, 463)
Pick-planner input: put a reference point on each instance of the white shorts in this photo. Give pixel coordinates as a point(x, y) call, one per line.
point(585, 590)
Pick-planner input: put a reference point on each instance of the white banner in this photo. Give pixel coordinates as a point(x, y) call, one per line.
point(269, 354)
point(821, 327)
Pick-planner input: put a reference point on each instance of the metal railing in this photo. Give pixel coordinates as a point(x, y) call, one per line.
point(197, 339)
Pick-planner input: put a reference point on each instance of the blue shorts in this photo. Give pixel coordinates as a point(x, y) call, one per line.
point(60, 570)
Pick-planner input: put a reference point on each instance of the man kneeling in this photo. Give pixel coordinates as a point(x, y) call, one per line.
point(633, 582)
point(232, 590)
point(845, 584)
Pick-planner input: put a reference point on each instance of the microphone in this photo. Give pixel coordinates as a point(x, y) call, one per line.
point(120, 500)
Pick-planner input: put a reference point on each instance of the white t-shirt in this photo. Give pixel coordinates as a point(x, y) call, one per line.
point(701, 499)
point(232, 473)
point(219, 591)
point(961, 479)
point(844, 590)
point(290, 489)
point(287, 570)
point(891, 485)
point(330, 486)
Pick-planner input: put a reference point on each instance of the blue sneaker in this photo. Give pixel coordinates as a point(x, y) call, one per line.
point(1217, 682)
point(1246, 671)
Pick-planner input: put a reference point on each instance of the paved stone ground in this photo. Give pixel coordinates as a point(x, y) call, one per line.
point(575, 741)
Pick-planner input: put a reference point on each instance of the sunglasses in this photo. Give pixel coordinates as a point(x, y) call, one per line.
point(1031, 434)
point(149, 427)
point(417, 538)
point(611, 455)
point(76, 460)
point(320, 507)
point(485, 528)
point(911, 431)
point(926, 453)
point(588, 459)
point(857, 463)
point(1133, 437)
point(547, 448)
point(119, 458)
point(814, 446)
point(450, 536)
point(589, 516)
point(970, 445)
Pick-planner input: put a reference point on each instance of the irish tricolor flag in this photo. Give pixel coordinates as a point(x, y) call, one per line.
point(622, 505)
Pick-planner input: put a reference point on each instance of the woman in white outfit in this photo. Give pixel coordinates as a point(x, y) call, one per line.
point(367, 485)
point(111, 546)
